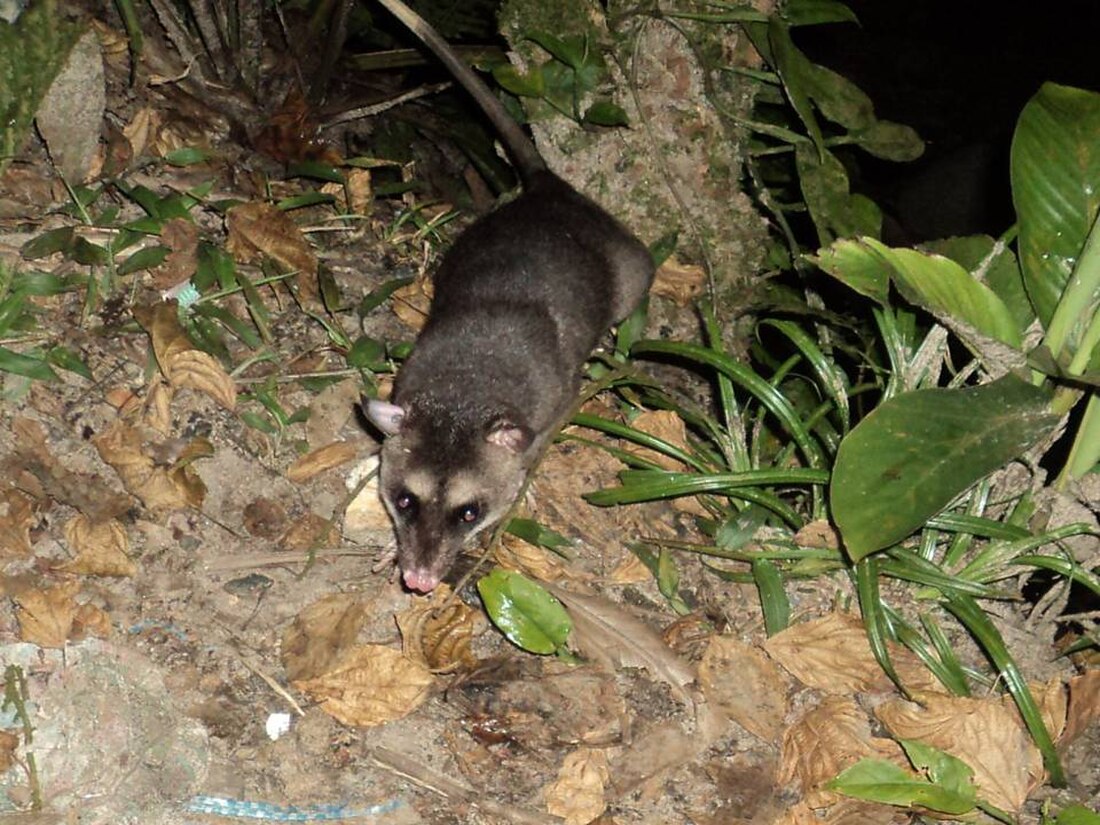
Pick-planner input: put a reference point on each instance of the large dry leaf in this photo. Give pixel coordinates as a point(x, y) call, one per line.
point(983, 733)
point(746, 685)
point(90, 620)
point(513, 553)
point(181, 236)
point(679, 282)
point(102, 548)
point(372, 685)
point(179, 361)
point(411, 302)
point(826, 740)
point(318, 461)
point(46, 616)
point(578, 794)
point(832, 654)
point(321, 635)
point(87, 493)
point(665, 425)
point(16, 519)
point(437, 632)
point(606, 633)
point(1084, 704)
point(259, 229)
point(159, 488)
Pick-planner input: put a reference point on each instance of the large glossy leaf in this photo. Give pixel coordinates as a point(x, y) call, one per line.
point(1055, 187)
point(999, 268)
point(524, 611)
point(910, 457)
point(860, 268)
point(941, 286)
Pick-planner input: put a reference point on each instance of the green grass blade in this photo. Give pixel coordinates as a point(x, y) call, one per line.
point(773, 598)
point(625, 431)
point(874, 617)
point(831, 379)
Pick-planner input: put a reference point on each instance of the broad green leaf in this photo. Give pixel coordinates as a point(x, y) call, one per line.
point(943, 768)
point(858, 267)
point(524, 611)
point(795, 70)
point(25, 365)
point(367, 353)
point(1077, 815)
point(835, 211)
point(525, 85)
point(941, 286)
point(317, 170)
point(909, 458)
point(569, 50)
point(1002, 274)
point(813, 12)
point(534, 533)
point(839, 99)
point(880, 781)
point(890, 141)
point(606, 113)
point(1055, 187)
point(145, 258)
point(46, 244)
point(66, 359)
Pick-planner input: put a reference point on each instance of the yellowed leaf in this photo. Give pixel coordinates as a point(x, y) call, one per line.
point(137, 132)
point(437, 632)
point(832, 654)
point(983, 733)
point(679, 282)
point(631, 570)
point(513, 553)
point(102, 548)
point(410, 303)
point(371, 685)
point(318, 461)
point(746, 685)
point(122, 447)
point(89, 620)
point(321, 634)
point(665, 425)
point(578, 795)
point(179, 361)
point(257, 229)
point(357, 184)
point(16, 520)
point(46, 616)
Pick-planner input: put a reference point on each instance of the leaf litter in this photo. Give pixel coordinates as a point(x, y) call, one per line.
point(130, 503)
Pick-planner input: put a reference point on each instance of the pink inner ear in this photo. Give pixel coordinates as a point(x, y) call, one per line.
point(508, 435)
point(385, 416)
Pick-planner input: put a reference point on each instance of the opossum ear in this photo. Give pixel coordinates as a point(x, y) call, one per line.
point(385, 416)
point(504, 432)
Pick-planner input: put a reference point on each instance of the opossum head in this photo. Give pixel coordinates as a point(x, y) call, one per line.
point(445, 477)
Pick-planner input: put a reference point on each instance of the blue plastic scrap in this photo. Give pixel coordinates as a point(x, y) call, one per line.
point(240, 809)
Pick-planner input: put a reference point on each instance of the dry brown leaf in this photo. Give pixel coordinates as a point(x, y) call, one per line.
point(746, 685)
point(143, 124)
point(158, 407)
point(983, 733)
point(820, 534)
point(318, 461)
point(257, 229)
point(514, 553)
point(179, 361)
point(9, 743)
point(16, 520)
point(181, 236)
point(264, 518)
point(578, 794)
point(157, 487)
point(679, 282)
point(1052, 701)
point(1084, 704)
point(308, 531)
point(832, 654)
point(366, 515)
point(410, 303)
point(358, 184)
point(89, 620)
point(665, 425)
point(437, 632)
point(102, 548)
point(826, 740)
point(373, 684)
point(631, 570)
point(321, 634)
point(799, 813)
point(46, 616)
point(857, 812)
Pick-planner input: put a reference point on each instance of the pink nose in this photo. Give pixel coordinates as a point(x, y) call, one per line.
point(420, 580)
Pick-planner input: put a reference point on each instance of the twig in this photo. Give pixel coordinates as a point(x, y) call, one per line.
point(385, 105)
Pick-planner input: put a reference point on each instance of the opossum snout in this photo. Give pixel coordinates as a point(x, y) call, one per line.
point(420, 579)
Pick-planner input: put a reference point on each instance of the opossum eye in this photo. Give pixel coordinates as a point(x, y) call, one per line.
point(468, 513)
point(405, 502)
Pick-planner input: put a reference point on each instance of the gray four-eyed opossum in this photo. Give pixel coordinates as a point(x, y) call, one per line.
point(521, 299)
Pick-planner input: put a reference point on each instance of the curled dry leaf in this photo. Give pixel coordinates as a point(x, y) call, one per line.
point(578, 794)
point(437, 633)
point(410, 303)
point(321, 635)
point(514, 553)
point(679, 282)
point(371, 685)
point(748, 687)
point(665, 425)
point(181, 236)
point(157, 487)
point(102, 548)
point(259, 229)
point(357, 188)
point(983, 733)
point(89, 620)
point(826, 740)
point(46, 616)
point(832, 654)
point(158, 407)
point(16, 520)
point(323, 458)
point(144, 123)
point(179, 361)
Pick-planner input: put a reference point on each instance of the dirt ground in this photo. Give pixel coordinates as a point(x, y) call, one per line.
point(196, 627)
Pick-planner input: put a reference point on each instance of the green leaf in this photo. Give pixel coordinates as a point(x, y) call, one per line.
point(534, 533)
point(66, 359)
point(524, 612)
point(773, 598)
point(524, 85)
point(25, 365)
point(146, 258)
point(605, 113)
point(1077, 815)
point(187, 156)
point(367, 353)
point(379, 295)
point(941, 286)
point(795, 70)
point(839, 99)
point(1055, 187)
point(1002, 273)
point(877, 780)
point(835, 211)
point(46, 244)
point(909, 458)
point(570, 51)
point(814, 12)
point(316, 170)
point(890, 141)
point(942, 768)
point(858, 267)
